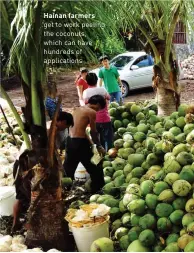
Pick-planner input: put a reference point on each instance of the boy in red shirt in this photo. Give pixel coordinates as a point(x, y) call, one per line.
point(82, 85)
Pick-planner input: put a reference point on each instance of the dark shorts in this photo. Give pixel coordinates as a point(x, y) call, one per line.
point(79, 150)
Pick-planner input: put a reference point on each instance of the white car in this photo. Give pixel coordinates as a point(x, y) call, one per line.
point(135, 69)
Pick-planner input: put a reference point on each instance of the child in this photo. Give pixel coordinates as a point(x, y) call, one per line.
point(81, 84)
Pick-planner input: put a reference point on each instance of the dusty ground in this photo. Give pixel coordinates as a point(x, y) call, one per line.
point(67, 89)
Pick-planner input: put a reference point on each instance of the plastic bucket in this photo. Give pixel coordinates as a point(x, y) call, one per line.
point(85, 236)
point(7, 199)
point(81, 174)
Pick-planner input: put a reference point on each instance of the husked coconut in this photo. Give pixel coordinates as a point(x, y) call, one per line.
point(18, 247)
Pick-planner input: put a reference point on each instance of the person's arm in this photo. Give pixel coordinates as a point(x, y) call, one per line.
point(120, 83)
point(93, 131)
point(77, 78)
point(80, 91)
point(100, 75)
point(95, 135)
point(85, 99)
point(89, 139)
point(107, 96)
point(118, 78)
point(100, 82)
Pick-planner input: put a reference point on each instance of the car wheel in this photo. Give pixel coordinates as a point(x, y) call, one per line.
point(125, 91)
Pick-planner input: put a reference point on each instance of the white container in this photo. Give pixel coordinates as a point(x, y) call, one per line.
point(7, 199)
point(84, 237)
point(81, 173)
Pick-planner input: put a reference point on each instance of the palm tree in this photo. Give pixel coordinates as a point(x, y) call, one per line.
point(8, 11)
point(160, 17)
point(28, 41)
point(26, 58)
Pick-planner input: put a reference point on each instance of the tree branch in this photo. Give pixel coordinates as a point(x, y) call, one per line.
point(156, 16)
point(52, 134)
point(170, 36)
point(149, 39)
point(17, 117)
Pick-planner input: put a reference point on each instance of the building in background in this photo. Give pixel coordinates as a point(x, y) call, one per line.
point(183, 41)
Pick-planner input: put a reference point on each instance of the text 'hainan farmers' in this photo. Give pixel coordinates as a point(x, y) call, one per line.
point(68, 15)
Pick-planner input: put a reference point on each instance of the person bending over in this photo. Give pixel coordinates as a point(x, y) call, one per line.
point(103, 121)
point(79, 148)
point(64, 122)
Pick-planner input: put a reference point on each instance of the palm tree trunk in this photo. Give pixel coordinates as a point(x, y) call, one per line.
point(167, 92)
point(36, 111)
point(166, 101)
point(36, 69)
point(46, 225)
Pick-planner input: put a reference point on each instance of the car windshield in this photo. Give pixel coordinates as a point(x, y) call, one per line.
point(121, 61)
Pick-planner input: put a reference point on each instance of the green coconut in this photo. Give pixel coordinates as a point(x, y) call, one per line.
point(189, 207)
point(151, 201)
point(166, 196)
point(137, 206)
point(137, 246)
point(147, 237)
point(171, 178)
point(187, 219)
point(148, 221)
point(102, 245)
point(163, 210)
point(189, 247)
point(184, 240)
point(181, 188)
point(121, 232)
point(164, 225)
point(176, 217)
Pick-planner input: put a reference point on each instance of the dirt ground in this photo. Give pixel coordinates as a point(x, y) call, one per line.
point(67, 89)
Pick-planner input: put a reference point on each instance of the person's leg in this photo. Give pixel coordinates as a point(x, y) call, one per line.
point(100, 130)
point(112, 97)
point(16, 214)
point(72, 157)
point(108, 135)
point(118, 97)
point(17, 207)
point(96, 172)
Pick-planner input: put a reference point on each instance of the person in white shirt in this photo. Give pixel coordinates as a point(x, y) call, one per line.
point(103, 121)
